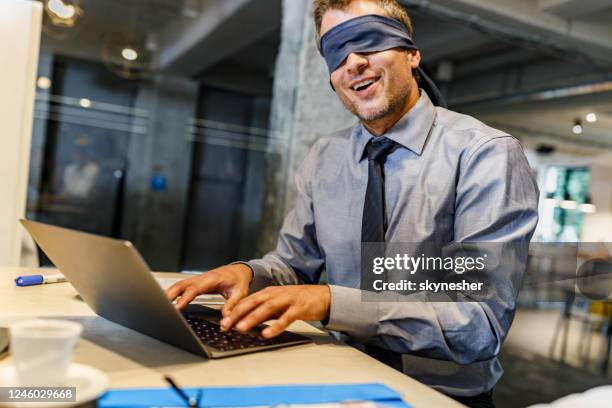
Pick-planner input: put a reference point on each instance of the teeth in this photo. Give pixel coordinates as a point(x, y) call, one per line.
point(363, 84)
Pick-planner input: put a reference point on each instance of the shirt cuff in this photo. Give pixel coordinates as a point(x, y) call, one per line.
point(349, 314)
point(260, 276)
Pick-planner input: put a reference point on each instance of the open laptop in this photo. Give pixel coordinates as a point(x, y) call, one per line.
point(114, 280)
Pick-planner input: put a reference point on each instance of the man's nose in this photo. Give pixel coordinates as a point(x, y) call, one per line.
point(356, 63)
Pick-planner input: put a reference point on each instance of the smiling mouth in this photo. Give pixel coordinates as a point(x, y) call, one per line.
point(363, 85)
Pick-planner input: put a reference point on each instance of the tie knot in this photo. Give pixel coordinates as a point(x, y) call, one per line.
point(379, 149)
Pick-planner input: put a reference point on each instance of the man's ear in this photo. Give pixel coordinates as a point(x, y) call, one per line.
point(415, 58)
point(332, 86)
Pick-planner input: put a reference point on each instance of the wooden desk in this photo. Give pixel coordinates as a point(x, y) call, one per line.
point(133, 360)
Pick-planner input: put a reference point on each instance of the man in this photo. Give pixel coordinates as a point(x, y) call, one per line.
point(409, 172)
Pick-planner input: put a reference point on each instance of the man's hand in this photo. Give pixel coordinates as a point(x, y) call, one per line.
point(231, 281)
point(285, 303)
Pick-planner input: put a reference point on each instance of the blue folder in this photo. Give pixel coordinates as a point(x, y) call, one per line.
point(254, 396)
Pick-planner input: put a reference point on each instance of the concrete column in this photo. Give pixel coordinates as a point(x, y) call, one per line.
point(304, 107)
point(153, 216)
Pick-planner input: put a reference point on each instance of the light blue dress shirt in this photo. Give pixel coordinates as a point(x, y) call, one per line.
point(453, 179)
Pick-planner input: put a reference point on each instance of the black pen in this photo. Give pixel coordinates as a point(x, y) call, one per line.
point(191, 402)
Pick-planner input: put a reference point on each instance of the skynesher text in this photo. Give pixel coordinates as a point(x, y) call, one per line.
point(428, 286)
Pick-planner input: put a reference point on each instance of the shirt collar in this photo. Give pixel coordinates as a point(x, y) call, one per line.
point(410, 131)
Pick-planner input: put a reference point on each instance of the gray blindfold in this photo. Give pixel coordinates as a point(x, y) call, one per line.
point(371, 33)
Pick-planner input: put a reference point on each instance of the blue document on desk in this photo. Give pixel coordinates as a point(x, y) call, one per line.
point(379, 394)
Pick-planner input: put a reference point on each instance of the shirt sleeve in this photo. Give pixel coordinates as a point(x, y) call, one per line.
point(496, 202)
point(297, 258)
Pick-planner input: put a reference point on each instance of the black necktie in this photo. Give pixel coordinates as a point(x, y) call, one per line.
point(374, 221)
point(373, 228)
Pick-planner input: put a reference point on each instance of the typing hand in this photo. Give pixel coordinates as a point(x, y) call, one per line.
point(286, 303)
point(231, 281)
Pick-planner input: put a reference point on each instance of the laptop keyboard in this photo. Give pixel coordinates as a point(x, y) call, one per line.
point(210, 334)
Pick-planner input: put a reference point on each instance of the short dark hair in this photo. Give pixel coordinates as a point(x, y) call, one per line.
point(392, 9)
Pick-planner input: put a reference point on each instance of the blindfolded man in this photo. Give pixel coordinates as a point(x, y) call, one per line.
point(411, 171)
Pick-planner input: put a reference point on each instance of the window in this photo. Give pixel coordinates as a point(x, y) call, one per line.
point(562, 212)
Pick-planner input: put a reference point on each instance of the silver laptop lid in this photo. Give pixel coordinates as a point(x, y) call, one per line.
point(114, 280)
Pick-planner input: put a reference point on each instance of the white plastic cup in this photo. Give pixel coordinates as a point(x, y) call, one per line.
point(42, 350)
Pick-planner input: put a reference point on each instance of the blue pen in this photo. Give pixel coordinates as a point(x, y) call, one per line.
point(30, 280)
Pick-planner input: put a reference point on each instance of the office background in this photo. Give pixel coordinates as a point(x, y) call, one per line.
point(179, 124)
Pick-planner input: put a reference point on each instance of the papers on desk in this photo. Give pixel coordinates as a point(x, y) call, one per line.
point(359, 395)
point(165, 283)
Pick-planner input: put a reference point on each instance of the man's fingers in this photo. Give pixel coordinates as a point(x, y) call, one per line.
point(176, 289)
point(205, 284)
point(236, 296)
point(265, 311)
point(242, 308)
point(188, 295)
point(281, 324)
point(198, 285)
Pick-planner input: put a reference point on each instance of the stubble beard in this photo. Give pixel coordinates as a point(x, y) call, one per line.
point(391, 105)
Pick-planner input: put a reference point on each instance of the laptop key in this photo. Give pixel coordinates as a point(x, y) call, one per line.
point(210, 334)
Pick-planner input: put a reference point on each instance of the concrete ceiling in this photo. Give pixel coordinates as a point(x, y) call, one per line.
point(518, 64)
point(183, 37)
point(131, 14)
point(573, 8)
point(554, 119)
point(504, 55)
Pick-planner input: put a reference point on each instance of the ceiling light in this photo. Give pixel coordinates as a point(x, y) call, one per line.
point(60, 9)
point(591, 117)
point(63, 13)
point(129, 54)
point(577, 129)
point(43, 82)
point(85, 103)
